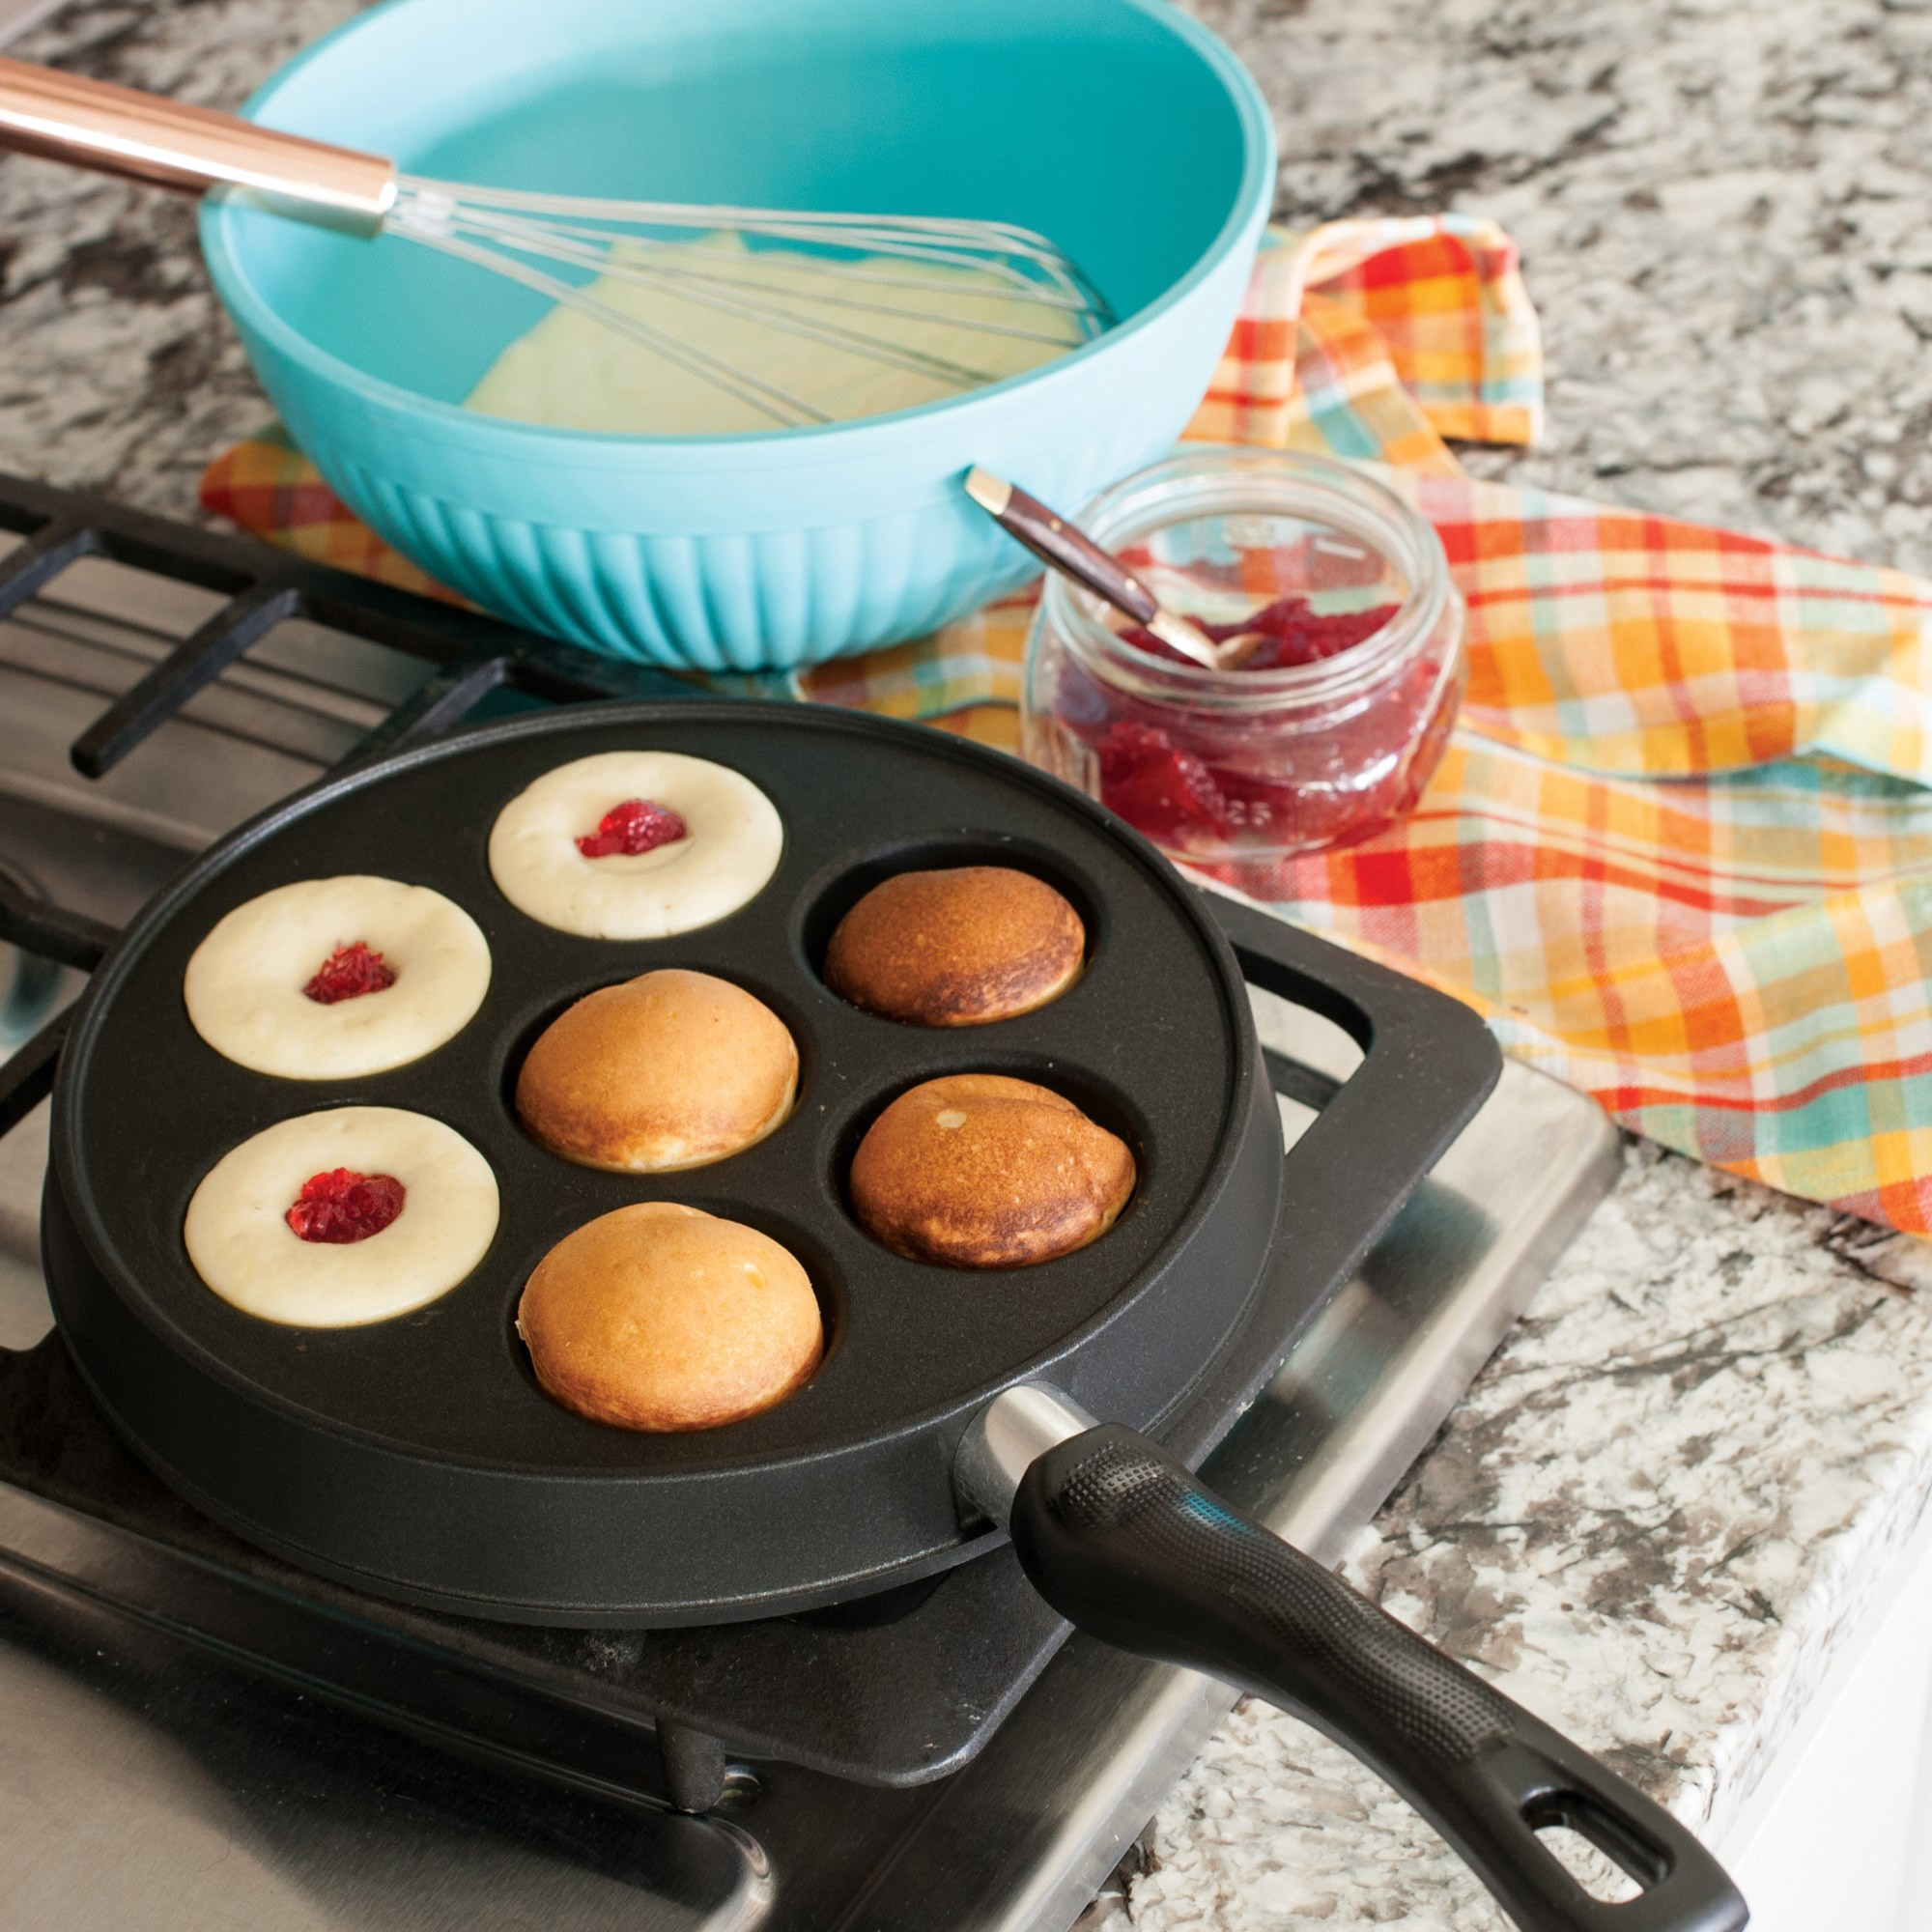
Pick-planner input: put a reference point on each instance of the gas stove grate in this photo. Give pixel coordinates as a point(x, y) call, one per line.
point(473, 656)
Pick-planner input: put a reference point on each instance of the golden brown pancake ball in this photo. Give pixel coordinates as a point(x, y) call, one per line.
point(672, 1069)
point(979, 1170)
point(659, 1317)
point(957, 947)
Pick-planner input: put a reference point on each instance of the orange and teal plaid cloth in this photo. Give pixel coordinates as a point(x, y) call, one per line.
point(1680, 851)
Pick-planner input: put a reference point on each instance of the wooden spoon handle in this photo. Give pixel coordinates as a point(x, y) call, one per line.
point(1056, 541)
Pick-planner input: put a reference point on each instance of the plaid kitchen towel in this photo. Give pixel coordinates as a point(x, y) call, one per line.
point(1680, 850)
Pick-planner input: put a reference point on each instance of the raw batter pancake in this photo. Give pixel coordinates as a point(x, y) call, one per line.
point(332, 979)
point(722, 852)
point(242, 1245)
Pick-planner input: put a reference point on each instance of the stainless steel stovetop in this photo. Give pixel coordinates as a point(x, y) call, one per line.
point(149, 1780)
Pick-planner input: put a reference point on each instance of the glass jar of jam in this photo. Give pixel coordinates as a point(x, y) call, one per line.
point(1330, 728)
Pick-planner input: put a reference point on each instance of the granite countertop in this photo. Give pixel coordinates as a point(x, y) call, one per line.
point(1671, 1494)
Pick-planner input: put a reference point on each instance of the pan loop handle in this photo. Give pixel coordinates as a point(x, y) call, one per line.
point(1126, 1544)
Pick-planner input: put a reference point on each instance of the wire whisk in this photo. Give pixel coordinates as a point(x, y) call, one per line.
point(869, 286)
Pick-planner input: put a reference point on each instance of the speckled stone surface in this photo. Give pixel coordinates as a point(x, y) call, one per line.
point(1659, 1511)
point(1722, 211)
point(118, 370)
point(1667, 1499)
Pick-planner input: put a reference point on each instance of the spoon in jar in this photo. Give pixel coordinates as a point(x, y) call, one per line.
point(1076, 555)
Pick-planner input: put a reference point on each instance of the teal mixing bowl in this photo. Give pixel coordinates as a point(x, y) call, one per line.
point(1119, 128)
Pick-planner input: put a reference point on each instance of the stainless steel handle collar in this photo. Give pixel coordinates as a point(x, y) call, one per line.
point(1002, 1442)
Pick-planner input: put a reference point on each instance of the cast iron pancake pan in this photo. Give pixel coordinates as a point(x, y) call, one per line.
point(417, 1457)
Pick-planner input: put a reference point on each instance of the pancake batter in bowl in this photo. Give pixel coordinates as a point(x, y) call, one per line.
point(571, 371)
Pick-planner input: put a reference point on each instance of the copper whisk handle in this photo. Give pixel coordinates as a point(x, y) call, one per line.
point(119, 131)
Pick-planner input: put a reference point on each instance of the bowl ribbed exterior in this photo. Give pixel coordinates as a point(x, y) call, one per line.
point(620, 546)
point(753, 552)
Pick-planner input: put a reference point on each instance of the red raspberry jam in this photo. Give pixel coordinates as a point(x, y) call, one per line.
point(1337, 716)
point(633, 827)
point(1292, 631)
point(1208, 783)
point(341, 1206)
point(348, 973)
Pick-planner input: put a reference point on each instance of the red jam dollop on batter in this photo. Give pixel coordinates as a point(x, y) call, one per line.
point(348, 973)
point(638, 825)
point(342, 1206)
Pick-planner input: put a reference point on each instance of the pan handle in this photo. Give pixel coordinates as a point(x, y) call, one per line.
point(1126, 1544)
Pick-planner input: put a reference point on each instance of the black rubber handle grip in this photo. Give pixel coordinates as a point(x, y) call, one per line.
point(1125, 1542)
